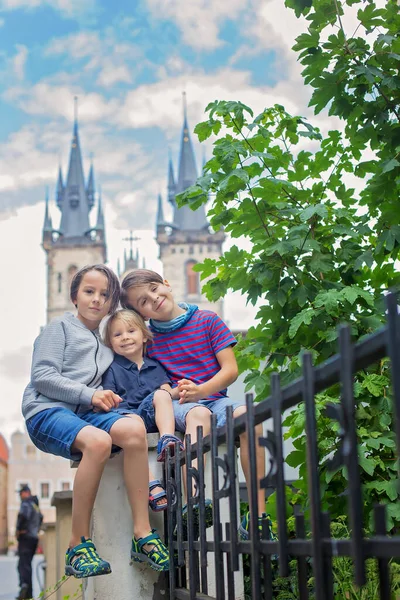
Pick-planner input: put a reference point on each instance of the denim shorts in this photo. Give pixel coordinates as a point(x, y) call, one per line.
point(54, 430)
point(145, 411)
point(218, 407)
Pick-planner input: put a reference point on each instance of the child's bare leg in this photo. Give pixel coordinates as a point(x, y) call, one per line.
point(164, 413)
point(195, 417)
point(245, 461)
point(95, 446)
point(130, 435)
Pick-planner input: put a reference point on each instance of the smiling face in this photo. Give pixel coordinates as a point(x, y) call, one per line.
point(154, 301)
point(92, 299)
point(127, 339)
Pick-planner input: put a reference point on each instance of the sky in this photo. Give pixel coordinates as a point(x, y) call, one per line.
point(128, 63)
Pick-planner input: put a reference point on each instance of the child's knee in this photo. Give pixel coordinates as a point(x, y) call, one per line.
point(98, 443)
point(161, 396)
point(199, 416)
point(240, 410)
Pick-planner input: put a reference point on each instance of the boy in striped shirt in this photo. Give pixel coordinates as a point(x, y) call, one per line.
point(196, 348)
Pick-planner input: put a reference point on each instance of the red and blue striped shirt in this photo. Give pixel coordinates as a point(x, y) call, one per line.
point(190, 351)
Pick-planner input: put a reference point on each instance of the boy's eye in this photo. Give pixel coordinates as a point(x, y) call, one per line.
point(116, 334)
point(131, 331)
point(105, 294)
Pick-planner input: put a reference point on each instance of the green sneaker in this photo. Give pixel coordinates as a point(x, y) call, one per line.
point(83, 561)
point(244, 529)
point(157, 557)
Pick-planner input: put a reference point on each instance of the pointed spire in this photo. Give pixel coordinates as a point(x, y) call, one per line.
point(48, 225)
point(60, 189)
point(100, 215)
point(160, 213)
point(75, 208)
point(119, 267)
point(185, 218)
point(90, 190)
point(171, 181)
point(187, 173)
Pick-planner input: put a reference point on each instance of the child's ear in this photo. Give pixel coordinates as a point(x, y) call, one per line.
point(167, 284)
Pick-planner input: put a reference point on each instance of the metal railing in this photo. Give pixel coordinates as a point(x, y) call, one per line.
point(314, 552)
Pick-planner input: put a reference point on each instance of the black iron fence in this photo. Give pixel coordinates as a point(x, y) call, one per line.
point(313, 549)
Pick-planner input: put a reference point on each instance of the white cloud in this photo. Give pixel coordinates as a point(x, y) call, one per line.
point(102, 52)
point(19, 61)
point(51, 100)
point(69, 8)
point(198, 20)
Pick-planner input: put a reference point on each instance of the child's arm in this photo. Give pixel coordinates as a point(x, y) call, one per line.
point(191, 392)
point(47, 362)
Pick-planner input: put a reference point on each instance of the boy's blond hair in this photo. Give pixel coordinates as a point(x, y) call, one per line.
point(129, 317)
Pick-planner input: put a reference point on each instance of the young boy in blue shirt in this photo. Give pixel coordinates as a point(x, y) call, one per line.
point(196, 348)
point(143, 385)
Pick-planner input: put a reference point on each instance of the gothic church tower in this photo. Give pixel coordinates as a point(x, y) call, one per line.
point(75, 243)
point(187, 240)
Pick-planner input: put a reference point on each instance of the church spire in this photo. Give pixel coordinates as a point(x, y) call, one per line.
point(185, 218)
point(91, 190)
point(75, 206)
point(60, 189)
point(100, 215)
point(160, 213)
point(171, 182)
point(48, 225)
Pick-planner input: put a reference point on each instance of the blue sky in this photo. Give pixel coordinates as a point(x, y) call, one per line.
point(128, 63)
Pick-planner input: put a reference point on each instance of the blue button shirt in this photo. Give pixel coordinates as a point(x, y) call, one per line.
point(133, 385)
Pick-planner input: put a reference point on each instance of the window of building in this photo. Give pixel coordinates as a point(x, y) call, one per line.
point(192, 278)
point(65, 486)
point(201, 249)
point(45, 490)
point(209, 248)
point(59, 283)
point(191, 250)
point(30, 451)
point(182, 250)
point(173, 250)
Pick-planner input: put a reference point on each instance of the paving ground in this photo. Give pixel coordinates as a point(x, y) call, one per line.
point(9, 584)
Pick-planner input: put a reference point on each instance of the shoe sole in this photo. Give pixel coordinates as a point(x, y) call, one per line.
point(142, 558)
point(69, 570)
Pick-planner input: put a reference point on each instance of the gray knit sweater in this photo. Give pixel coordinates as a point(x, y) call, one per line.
point(67, 366)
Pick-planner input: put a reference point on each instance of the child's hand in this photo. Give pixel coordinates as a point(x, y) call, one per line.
point(189, 391)
point(105, 399)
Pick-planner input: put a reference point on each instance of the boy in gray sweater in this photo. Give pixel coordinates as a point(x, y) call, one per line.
point(68, 414)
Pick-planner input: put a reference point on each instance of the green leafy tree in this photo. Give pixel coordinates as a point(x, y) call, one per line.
point(321, 219)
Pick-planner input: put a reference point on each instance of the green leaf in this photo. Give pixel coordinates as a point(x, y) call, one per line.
point(304, 317)
point(317, 209)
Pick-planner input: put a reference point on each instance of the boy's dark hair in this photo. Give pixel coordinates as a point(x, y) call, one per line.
point(113, 290)
point(134, 279)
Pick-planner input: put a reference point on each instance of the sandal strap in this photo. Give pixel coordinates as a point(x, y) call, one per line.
point(153, 537)
point(154, 483)
point(158, 496)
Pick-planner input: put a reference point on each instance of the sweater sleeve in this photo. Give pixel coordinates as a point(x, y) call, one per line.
point(47, 362)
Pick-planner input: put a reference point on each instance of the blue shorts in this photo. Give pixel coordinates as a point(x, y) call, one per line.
point(54, 430)
point(145, 411)
point(218, 407)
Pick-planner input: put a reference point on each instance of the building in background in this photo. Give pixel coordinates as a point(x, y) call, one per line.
point(44, 473)
point(188, 239)
point(3, 496)
point(75, 243)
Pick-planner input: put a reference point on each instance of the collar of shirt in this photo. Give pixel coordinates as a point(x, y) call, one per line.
point(148, 363)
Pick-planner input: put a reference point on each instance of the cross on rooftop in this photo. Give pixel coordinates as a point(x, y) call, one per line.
point(130, 239)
